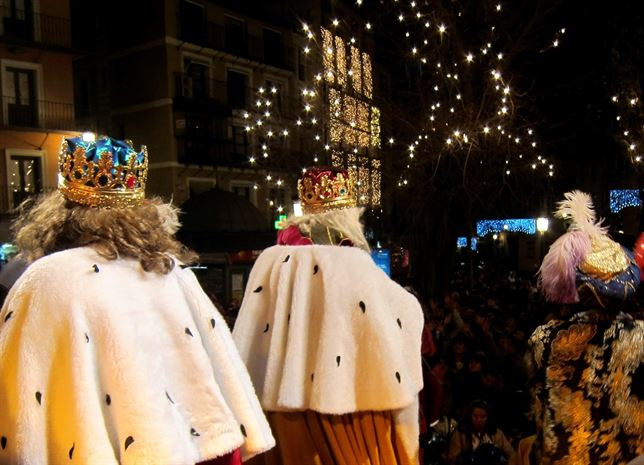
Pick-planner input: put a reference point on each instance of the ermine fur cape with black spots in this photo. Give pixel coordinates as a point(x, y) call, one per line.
point(324, 328)
point(104, 363)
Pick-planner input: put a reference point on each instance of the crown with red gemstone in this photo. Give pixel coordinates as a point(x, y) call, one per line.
point(324, 189)
point(102, 173)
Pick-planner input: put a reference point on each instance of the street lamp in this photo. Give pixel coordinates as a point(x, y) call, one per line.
point(542, 225)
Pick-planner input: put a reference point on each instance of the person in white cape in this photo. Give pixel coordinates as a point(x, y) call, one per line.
point(331, 343)
point(110, 351)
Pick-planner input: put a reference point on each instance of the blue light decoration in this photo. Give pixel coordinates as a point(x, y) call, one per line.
point(382, 257)
point(461, 242)
point(524, 225)
point(623, 198)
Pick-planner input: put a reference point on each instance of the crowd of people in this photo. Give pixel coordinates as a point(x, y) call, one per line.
point(477, 367)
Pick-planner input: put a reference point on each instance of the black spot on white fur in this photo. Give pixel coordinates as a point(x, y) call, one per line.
point(128, 442)
point(39, 397)
point(266, 329)
point(286, 259)
point(259, 289)
point(95, 266)
point(399, 323)
point(363, 307)
point(316, 269)
point(9, 315)
point(71, 451)
point(194, 432)
point(337, 360)
point(188, 332)
point(398, 376)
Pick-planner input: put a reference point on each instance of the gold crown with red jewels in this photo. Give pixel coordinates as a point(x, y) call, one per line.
point(324, 189)
point(102, 173)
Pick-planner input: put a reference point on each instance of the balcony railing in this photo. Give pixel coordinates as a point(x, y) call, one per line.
point(212, 152)
point(22, 26)
point(242, 45)
point(37, 114)
point(203, 90)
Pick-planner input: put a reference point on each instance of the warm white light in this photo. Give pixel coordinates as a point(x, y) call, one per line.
point(88, 136)
point(391, 140)
point(542, 224)
point(486, 130)
point(297, 206)
point(441, 28)
point(469, 57)
point(335, 22)
point(555, 43)
point(368, 26)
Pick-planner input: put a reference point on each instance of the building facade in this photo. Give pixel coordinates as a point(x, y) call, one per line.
point(36, 59)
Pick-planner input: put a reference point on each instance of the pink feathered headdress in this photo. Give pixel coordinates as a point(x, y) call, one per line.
point(559, 268)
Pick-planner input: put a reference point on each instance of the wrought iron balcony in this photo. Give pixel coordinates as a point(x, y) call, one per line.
point(238, 43)
point(25, 27)
point(37, 114)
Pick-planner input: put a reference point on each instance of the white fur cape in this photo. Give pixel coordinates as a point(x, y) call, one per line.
point(323, 328)
point(102, 363)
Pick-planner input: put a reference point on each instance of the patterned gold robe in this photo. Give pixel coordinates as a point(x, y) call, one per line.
point(589, 389)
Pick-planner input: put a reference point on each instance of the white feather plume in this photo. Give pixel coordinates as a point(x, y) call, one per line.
point(577, 207)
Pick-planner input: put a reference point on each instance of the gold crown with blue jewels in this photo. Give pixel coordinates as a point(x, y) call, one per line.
point(102, 173)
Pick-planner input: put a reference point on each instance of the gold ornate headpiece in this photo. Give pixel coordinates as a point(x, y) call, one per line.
point(324, 189)
point(102, 173)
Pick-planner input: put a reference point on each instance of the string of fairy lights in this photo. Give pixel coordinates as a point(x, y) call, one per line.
point(335, 117)
point(630, 125)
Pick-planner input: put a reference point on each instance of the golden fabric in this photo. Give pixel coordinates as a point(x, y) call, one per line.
point(311, 438)
point(589, 408)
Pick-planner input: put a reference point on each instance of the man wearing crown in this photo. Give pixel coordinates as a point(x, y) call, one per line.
point(331, 343)
point(589, 369)
point(110, 351)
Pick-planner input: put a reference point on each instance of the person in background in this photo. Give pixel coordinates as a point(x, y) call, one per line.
point(478, 440)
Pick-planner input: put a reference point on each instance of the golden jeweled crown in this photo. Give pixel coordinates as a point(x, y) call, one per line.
point(102, 173)
point(324, 189)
